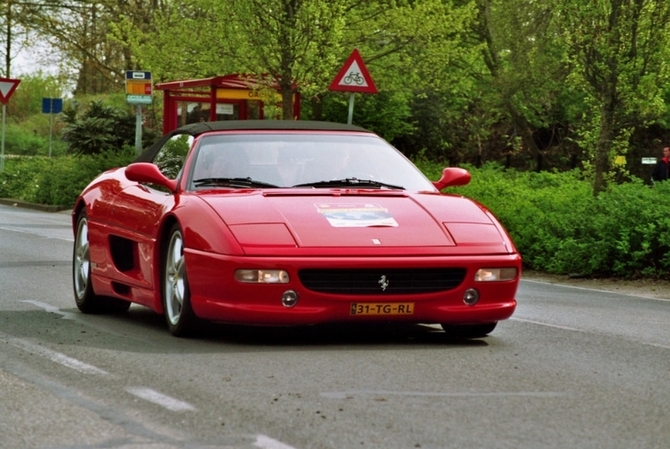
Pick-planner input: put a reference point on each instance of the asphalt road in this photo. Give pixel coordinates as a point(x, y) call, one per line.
point(574, 368)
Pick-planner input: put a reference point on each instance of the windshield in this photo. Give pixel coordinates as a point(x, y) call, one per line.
point(317, 160)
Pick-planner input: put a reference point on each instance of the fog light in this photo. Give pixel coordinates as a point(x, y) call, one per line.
point(471, 297)
point(262, 276)
point(289, 298)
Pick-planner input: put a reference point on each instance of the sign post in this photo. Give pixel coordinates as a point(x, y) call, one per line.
point(353, 77)
point(138, 92)
point(7, 88)
point(51, 106)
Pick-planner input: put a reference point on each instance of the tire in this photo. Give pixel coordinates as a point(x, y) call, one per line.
point(179, 316)
point(468, 330)
point(85, 298)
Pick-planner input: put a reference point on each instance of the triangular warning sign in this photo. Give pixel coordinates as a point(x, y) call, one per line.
point(7, 87)
point(354, 76)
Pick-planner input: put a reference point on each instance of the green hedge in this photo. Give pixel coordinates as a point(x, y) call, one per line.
point(56, 181)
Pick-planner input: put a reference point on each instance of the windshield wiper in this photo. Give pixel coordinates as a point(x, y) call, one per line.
point(231, 182)
point(350, 182)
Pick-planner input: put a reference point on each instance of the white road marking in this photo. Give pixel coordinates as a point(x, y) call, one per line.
point(31, 232)
point(530, 394)
point(596, 290)
point(269, 443)
point(52, 309)
point(555, 326)
point(161, 399)
point(54, 356)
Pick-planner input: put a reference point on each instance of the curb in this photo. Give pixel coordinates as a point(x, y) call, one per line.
point(26, 205)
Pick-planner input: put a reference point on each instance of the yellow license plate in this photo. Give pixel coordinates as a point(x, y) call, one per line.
point(382, 308)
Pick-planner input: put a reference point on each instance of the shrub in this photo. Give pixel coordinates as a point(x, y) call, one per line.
point(25, 140)
point(97, 129)
point(67, 176)
point(20, 178)
point(58, 180)
point(100, 128)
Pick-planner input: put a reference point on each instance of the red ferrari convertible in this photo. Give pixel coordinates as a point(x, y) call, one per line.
point(289, 223)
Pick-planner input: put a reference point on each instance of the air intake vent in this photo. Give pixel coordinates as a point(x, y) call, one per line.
point(397, 281)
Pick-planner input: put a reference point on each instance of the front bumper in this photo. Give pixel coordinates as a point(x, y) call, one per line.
point(217, 296)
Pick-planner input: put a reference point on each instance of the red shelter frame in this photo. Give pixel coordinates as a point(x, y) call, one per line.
point(228, 97)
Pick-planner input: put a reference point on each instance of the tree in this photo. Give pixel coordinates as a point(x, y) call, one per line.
point(15, 33)
point(88, 37)
point(520, 79)
point(618, 51)
point(294, 44)
point(288, 41)
point(27, 99)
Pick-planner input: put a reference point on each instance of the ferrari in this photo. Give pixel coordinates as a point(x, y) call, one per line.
point(287, 223)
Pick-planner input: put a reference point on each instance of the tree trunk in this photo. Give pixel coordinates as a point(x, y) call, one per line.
point(525, 131)
point(317, 107)
point(286, 99)
point(8, 41)
point(605, 139)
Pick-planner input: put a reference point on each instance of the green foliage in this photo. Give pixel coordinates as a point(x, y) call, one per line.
point(28, 141)
point(518, 81)
point(616, 52)
point(385, 113)
point(20, 178)
point(56, 180)
point(27, 98)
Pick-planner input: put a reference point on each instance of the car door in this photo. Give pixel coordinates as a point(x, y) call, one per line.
point(136, 213)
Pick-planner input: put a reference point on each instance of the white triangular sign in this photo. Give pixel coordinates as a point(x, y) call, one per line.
point(5, 87)
point(353, 77)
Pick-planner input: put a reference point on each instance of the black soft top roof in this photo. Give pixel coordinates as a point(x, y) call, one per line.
point(195, 129)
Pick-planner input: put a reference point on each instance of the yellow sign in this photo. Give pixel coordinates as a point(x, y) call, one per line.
point(241, 94)
point(138, 83)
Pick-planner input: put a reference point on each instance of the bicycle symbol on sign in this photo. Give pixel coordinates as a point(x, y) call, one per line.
point(354, 77)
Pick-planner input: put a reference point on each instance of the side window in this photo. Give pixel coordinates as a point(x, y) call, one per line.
point(170, 159)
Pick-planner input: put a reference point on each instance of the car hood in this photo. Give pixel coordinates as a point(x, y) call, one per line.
point(378, 222)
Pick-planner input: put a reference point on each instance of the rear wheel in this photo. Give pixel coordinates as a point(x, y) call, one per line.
point(468, 330)
point(181, 320)
point(86, 299)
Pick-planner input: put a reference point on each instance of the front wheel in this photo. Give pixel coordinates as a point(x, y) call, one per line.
point(468, 330)
point(181, 320)
point(86, 299)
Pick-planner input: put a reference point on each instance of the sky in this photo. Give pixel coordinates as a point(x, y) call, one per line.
point(30, 60)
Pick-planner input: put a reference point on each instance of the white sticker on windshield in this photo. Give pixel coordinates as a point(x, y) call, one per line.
point(356, 215)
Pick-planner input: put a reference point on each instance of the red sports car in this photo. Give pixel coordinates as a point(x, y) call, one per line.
point(289, 223)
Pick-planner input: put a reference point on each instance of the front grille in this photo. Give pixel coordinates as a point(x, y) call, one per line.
point(399, 281)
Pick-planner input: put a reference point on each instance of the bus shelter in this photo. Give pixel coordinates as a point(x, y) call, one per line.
point(228, 97)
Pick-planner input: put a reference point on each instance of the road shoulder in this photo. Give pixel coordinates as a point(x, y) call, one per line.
point(651, 288)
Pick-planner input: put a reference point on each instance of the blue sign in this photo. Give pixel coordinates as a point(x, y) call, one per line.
point(136, 75)
point(52, 105)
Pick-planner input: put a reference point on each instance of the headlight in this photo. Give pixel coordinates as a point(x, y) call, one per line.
point(262, 276)
point(495, 274)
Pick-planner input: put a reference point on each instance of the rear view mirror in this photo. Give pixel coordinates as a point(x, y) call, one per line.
point(145, 172)
point(452, 176)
